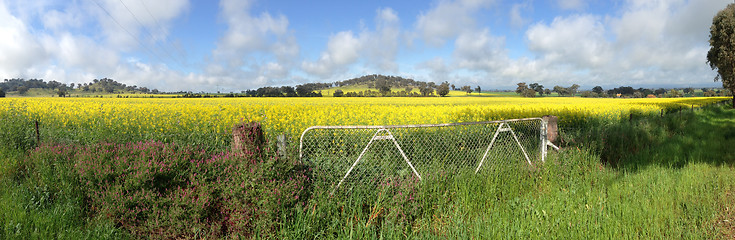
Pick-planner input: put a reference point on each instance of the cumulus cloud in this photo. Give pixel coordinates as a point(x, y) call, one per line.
point(447, 19)
point(439, 71)
point(255, 50)
point(516, 20)
point(571, 4)
point(578, 40)
point(382, 45)
point(77, 41)
point(20, 50)
point(343, 49)
point(377, 48)
point(478, 50)
point(145, 20)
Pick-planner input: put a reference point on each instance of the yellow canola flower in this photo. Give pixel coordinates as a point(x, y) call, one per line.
point(144, 116)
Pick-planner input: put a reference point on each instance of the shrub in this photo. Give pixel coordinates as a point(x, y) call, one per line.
point(166, 190)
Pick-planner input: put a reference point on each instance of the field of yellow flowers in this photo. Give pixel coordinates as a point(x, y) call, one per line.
point(123, 116)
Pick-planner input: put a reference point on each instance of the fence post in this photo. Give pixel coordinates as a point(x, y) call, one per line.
point(282, 144)
point(549, 133)
point(552, 127)
point(38, 135)
point(248, 139)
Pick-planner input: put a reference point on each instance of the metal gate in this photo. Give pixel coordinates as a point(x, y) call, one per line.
point(345, 156)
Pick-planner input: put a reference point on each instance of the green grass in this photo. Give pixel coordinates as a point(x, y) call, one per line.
point(678, 183)
point(652, 177)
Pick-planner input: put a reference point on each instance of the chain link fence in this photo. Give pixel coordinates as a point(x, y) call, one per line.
point(347, 157)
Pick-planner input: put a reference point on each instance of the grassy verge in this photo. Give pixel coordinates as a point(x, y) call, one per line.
point(670, 177)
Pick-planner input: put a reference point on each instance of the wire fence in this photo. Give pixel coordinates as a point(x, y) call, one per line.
point(345, 157)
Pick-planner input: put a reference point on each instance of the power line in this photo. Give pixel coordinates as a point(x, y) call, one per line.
point(160, 28)
point(163, 48)
point(128, 32)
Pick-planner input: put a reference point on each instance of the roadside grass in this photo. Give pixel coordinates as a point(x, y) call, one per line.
point(651, 177)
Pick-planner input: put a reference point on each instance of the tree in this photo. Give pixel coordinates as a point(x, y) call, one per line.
point(453, 88)
point(721, 55)
point(289, 91)
point(688, 90)
point(61, 92)
point(562, 91)
point(467, 89)
point(383, 86)
point(597, 89)
point(303, 90)
point(573, 89)
point(547, 92)
point(538, 88)
point(409, 89)
point(338, 93)
point(443, 89)
point(22, 90)
point(425, 89)
point(521, 87)
point(528, 93)
point(2, 93)
point(674, 93)
point(478, 90)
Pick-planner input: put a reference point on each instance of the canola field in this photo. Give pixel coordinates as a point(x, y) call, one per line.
point(178, 116)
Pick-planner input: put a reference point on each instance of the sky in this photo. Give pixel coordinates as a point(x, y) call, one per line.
point(234, 45)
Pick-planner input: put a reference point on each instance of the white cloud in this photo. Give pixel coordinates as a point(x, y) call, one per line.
point(578, 40)
point(439, 71)
point(20, 50)
point(382, 45)
point(139, 18)
point(516, 20)
point(480, 51)
point(448, 19)
point(377, 48)
point(343, 49)
point(571, 4)
point(255, 50)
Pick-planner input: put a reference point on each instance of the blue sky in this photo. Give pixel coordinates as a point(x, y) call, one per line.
point(233, 45)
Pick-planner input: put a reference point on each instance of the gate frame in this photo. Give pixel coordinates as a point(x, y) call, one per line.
point(503, 127)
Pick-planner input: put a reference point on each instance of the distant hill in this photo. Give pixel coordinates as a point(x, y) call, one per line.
point(40, 87)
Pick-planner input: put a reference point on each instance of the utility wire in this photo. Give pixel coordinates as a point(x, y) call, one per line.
point(128, 32)
point(160, 28)
point(163, 48)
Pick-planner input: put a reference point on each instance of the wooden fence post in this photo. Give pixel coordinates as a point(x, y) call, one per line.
point(282, 144)
point(248, 139)
point(552, 127)
point(38, 134)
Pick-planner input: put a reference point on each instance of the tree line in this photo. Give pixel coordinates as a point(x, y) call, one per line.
point(535, 89)
point(104, 85)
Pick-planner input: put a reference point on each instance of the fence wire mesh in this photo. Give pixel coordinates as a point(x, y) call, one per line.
point(347, 157)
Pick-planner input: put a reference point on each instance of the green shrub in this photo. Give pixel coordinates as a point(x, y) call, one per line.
point(170, 191)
